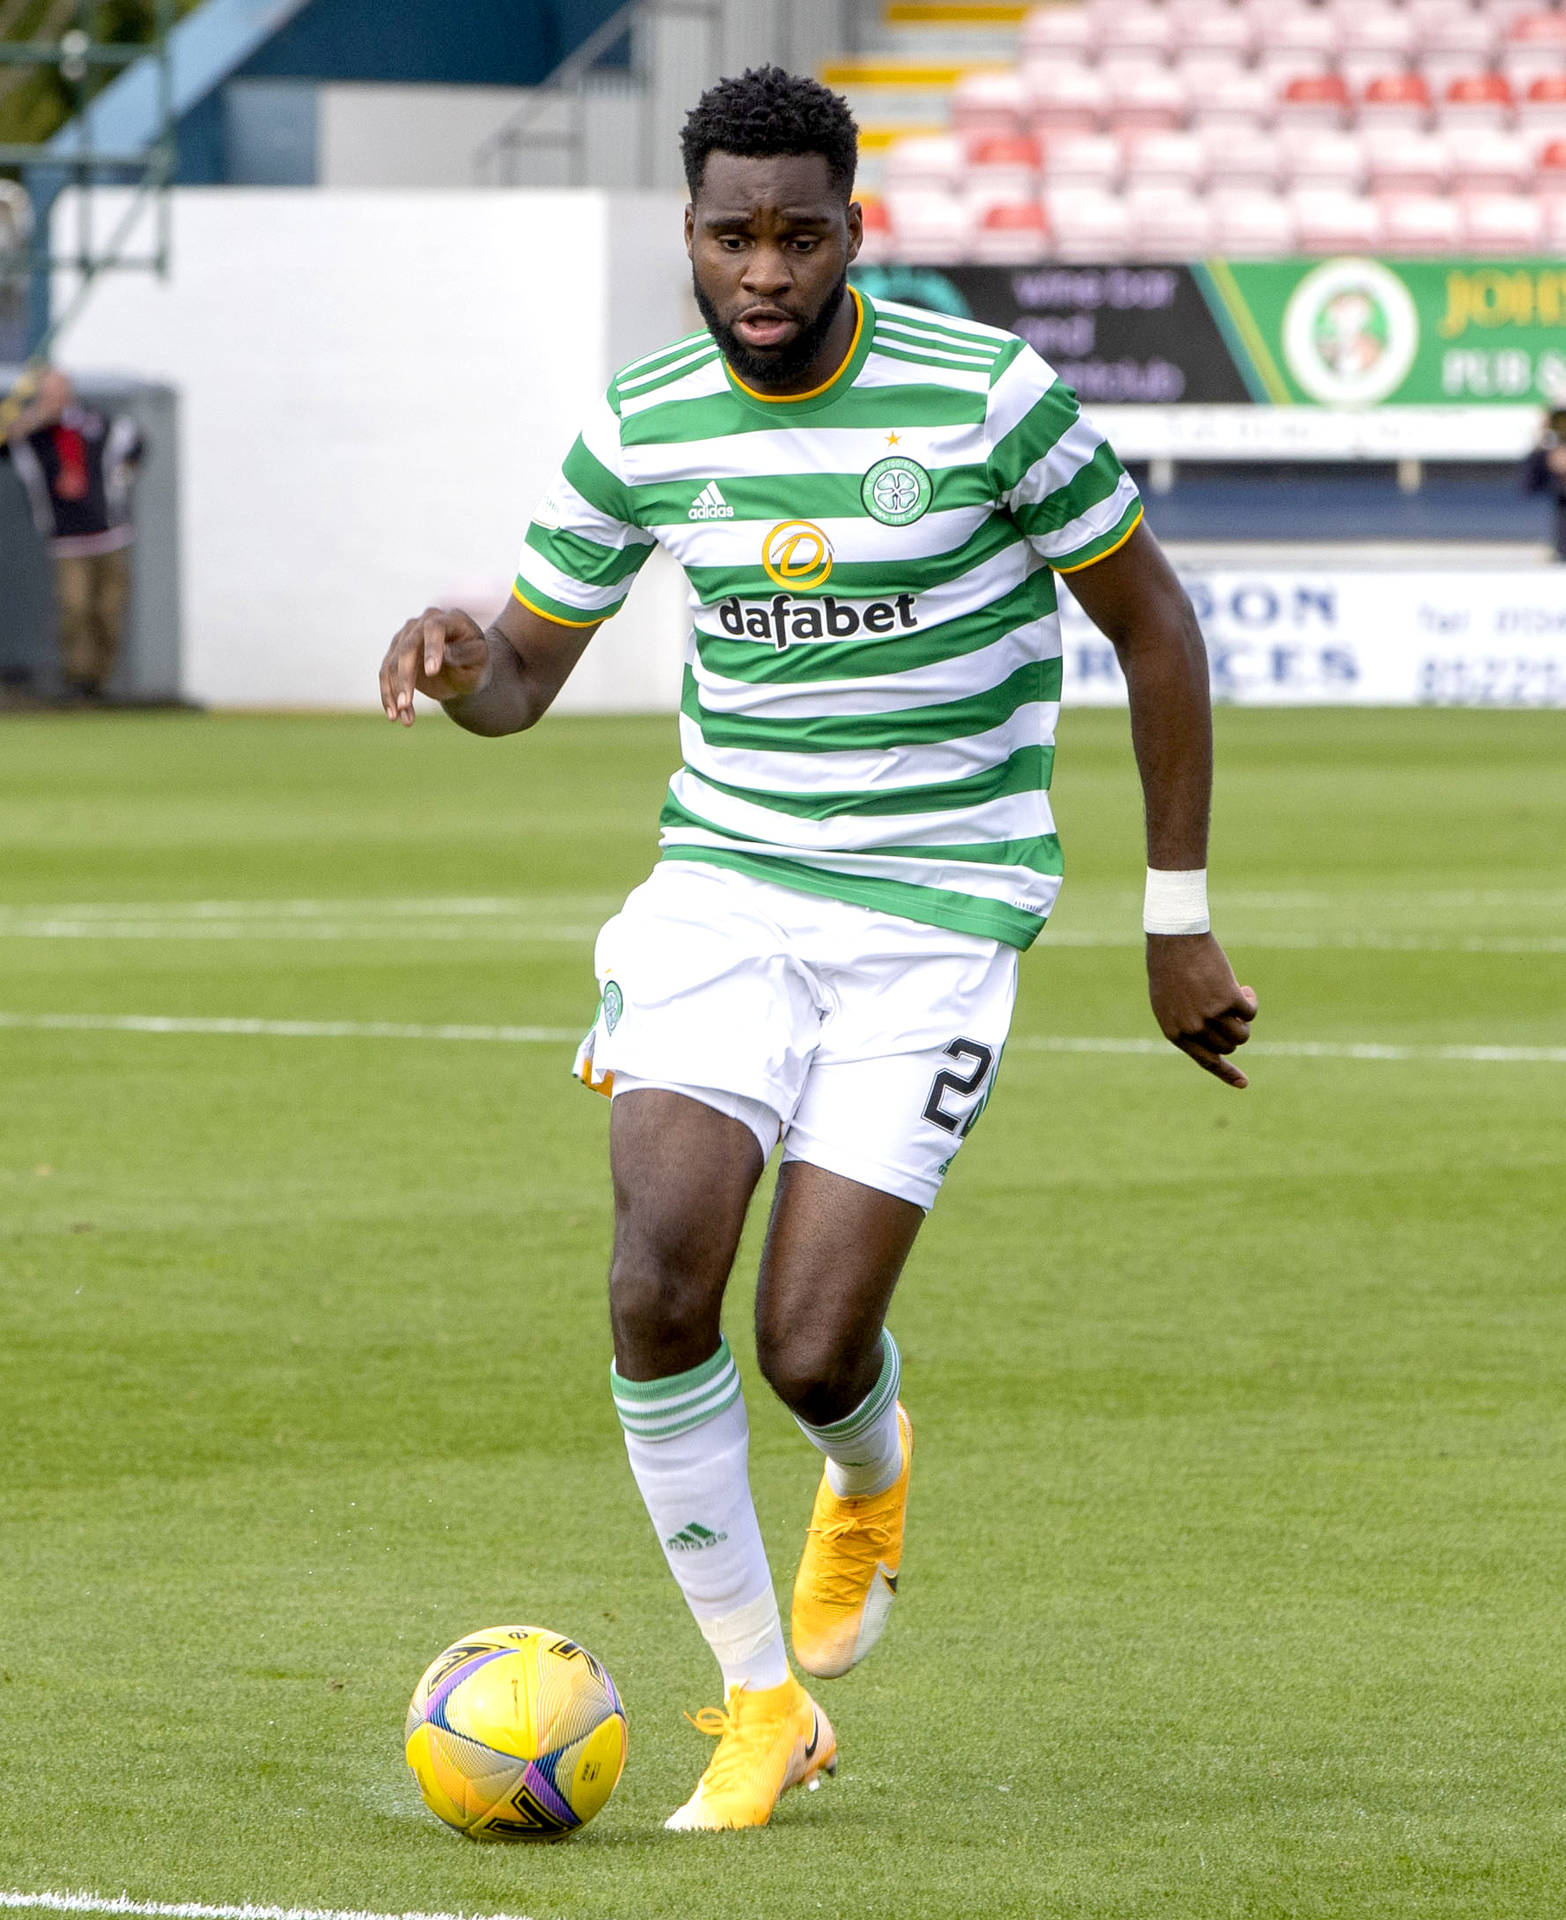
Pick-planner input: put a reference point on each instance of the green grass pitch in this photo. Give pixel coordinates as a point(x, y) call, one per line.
point(1236, 1559)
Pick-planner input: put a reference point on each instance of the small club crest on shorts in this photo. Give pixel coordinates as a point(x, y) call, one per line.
point(896, 491)
point(614, 1005)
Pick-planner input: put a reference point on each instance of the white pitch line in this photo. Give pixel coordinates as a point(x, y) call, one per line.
point(196, 1910)
point(156, 1023)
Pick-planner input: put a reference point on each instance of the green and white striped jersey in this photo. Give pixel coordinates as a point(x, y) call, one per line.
point(873, 674)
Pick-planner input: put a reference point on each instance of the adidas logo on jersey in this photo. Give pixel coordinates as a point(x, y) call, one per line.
point(709, 504)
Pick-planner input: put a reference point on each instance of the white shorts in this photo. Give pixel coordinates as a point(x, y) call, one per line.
point(867, 1042)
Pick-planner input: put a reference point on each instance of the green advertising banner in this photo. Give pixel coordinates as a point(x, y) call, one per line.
point(1360, 333)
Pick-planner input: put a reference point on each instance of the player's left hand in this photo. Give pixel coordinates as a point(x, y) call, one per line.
point(1202, 1008)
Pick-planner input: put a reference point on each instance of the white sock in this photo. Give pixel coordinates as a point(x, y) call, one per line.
point(689, 1444)
point(864, 1454)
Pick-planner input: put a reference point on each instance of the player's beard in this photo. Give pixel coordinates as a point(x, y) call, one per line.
point(779, 366)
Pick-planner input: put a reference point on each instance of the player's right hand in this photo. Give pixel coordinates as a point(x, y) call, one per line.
point(443, 654)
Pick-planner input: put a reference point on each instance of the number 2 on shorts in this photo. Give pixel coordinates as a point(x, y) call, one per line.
point(964, 1085)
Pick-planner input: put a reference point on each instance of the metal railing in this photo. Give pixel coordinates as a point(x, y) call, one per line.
point(555, 119)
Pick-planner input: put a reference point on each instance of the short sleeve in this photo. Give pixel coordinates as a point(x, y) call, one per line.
point(583, 548)
point(1057, 476)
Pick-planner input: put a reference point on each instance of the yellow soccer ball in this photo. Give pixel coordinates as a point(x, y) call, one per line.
point(515, 1733)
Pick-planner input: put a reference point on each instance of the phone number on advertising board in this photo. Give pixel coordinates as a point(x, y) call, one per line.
point(1493, 681)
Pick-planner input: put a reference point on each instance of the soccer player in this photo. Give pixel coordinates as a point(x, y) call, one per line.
point(870, 503)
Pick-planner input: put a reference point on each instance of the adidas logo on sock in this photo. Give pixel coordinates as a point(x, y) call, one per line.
point(709, 504)
point(692, 1537)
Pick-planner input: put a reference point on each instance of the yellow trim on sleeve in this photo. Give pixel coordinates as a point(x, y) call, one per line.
point(554, 618)
point(1082, 565)
point(787, 399)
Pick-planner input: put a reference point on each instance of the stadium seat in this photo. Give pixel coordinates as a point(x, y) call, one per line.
point(1001, 168)
point(1165, 159)
point(1152, 100)
point(876, 249)
point(1476, 100)
point(1242, 157)
point(1489, 162)
point(1249, 99)
point(929, 227)
point(1524, 64)
point(1333, 220)
point(1201, 26)
point(1395, 100)
point(1314, 100)
point(1542, 109)
point(990, 103)
point(937, 160)
point(1169, 223)
point(1541, 28)
point(1010, 234)
point(1373, 41)
point(1132, 28)
point(1087, 224)
point(1399, 161)
point(1057, 34)
point(1504, 223)
point(1414, 223)
point(1202, 69)
point(1549, 169)
point(1064, 99)
point(1313, 158)
point(1251, 222)
point(1455, 32)
point(1555, 218)
point(1288, 30)
point(1082, 160)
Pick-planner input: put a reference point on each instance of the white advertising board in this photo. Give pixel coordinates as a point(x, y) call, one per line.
point(1277, 637)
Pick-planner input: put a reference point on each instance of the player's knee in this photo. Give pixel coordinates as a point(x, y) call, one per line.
point(814, 1377)
point(664, 1303)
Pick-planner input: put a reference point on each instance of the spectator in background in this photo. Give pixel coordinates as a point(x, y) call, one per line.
point(1546, 471)
point(78, 466)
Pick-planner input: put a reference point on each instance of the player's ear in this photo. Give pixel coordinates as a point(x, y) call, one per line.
point(856, 229)
point(690, 227)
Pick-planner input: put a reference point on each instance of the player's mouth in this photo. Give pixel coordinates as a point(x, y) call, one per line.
point(765, 327)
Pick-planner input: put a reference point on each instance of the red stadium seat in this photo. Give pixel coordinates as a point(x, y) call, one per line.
point(1314, 100)
point(1011, 233)
point(1539, 29)
point(1016, 150)
point(1542, 110)
point(1415, 223)
point(1549, 170)
point(1476, 100)
point(1395, 100)
point(1002, 170)
point(1503, 223)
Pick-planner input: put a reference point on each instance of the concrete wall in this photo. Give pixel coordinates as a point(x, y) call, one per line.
point(375, 389)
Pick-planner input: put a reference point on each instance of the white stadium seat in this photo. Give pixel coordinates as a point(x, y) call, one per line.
point(1087, 224)
point(929, 227)
point(1311, 158)
point(1169, 223)
point(1402, 162)
point(1247, 100)
point(1166, 159)
point(1057, 32)
point(1137, 29)
point(1487, 162)
point(1504, 222)
point(990, 103)
point(1243, 157)
point(937, 160)
point(1064, 99)
point(1333, 220)
point(1082, 160)
point(1420, 223)
point(1251, 222)
point(1148, 100)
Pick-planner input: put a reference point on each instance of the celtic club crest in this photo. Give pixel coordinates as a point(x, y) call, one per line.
point(896, 490)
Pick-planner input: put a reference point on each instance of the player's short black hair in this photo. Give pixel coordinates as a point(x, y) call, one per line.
point(767, 111)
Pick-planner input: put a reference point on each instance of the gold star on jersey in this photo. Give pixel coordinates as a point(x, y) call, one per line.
point(872, 675)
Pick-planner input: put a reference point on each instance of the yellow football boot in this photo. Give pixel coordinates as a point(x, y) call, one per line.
point(769, 1739)
point(847, 1577)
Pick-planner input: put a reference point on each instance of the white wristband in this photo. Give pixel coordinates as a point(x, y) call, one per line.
point(1176, 901)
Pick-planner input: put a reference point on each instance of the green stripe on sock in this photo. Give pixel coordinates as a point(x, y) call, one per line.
point(663, 1409)
point(874, 1404)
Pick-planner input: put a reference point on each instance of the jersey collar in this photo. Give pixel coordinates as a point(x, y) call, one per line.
point(785, 406)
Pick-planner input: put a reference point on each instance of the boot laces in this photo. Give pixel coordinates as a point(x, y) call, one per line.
point(857, 1547)
point(740, 1743)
